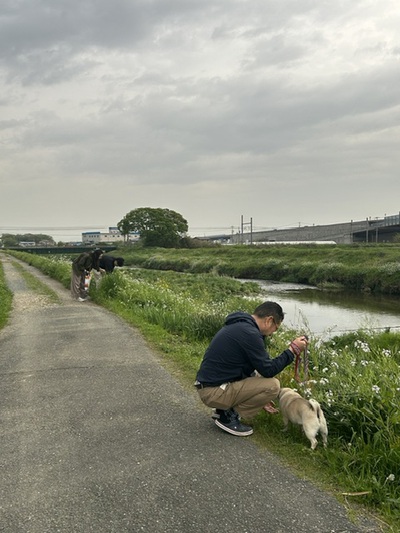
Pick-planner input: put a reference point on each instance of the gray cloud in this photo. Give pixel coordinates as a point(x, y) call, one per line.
point(210, 107)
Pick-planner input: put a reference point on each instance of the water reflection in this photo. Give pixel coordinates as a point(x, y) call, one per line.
point(327, 314)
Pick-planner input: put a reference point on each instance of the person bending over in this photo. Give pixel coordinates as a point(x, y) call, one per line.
point(81, 266)
point(237, 375)
point(108, 263)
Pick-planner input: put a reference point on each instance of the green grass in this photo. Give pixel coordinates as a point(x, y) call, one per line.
point(5, 299)
point(356, 377)
point(36, 285)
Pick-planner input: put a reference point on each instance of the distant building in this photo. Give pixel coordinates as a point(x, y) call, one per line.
point(112, 236)
point(91, 237)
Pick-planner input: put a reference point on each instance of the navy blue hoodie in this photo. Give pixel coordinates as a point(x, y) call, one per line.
point(237, 350)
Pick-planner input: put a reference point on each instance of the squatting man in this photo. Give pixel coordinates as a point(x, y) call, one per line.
point(237, 375)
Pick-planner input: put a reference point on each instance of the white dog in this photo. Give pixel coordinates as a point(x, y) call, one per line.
point(306, 413)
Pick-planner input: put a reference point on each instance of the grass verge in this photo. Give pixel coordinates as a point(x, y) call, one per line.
point(5, 299)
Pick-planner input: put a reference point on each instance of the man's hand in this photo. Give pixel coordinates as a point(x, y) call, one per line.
point(270, 408)
point(298, 345)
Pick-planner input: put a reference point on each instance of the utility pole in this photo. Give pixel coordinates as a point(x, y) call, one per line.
point(251, 229)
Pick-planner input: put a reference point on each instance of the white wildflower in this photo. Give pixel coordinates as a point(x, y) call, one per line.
point(362, 345)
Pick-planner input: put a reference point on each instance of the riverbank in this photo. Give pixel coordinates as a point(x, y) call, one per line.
point(367, 268)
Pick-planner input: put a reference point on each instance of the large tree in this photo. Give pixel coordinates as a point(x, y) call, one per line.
point(156, 226)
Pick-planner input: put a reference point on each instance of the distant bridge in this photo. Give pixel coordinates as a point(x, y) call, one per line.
point(362, 231)
point(47, 250)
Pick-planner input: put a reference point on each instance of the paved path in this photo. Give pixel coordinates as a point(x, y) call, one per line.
point(96, 436)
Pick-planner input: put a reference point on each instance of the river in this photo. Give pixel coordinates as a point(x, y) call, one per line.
point(325, 314)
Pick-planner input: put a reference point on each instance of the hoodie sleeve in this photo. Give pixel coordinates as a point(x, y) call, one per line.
point(271, 367)
point(261, 360)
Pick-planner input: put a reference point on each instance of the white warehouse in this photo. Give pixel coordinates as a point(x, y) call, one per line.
point(112, 236)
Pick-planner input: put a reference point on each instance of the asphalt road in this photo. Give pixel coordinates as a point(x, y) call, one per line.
point(96, 436)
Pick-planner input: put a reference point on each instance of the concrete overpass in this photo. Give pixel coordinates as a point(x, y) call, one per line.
point(362, 231)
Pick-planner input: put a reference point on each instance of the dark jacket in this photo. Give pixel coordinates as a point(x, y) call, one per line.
point(237, 350)
point(106, 262)
point(86, 261)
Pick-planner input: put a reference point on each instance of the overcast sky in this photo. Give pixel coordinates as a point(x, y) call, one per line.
point(285, 112)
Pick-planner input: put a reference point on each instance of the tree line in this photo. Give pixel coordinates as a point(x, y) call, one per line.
point(157, 227)
point(9, 240)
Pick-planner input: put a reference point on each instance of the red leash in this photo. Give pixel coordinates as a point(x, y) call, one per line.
point(298, 361)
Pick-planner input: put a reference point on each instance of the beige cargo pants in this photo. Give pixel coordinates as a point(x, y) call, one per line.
point(247, 396)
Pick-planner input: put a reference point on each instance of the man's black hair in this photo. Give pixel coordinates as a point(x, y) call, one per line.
point(270, 309)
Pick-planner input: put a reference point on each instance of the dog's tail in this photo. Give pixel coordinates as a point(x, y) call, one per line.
point(317, 409)
point(315, 406)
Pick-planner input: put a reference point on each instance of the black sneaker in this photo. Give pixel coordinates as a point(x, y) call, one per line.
point(229, 421)
point(216, 413)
